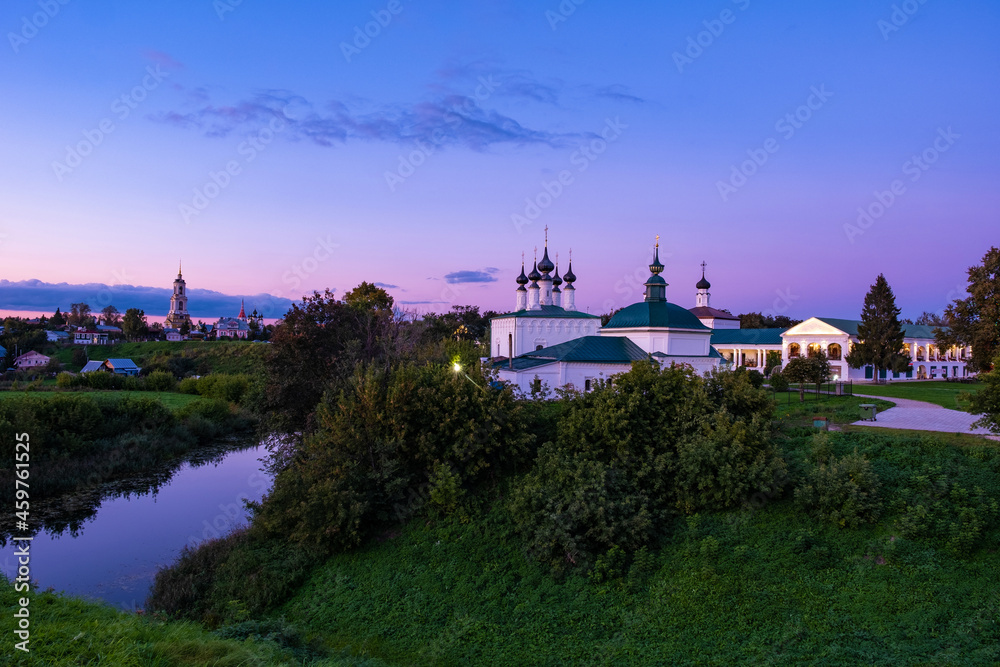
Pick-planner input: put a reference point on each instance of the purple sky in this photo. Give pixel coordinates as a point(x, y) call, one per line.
point(277, 152)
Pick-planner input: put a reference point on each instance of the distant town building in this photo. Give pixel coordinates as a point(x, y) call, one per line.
point(173, 335)
point(91, 366)
point(57, 336)
point(31, 360)
point(91, 337)
point(120, 367)
point(178, 314)
point(233, 327)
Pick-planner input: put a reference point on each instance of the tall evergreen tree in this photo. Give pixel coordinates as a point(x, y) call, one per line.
point(57, 320)
point(880, 332)
point(975, 320)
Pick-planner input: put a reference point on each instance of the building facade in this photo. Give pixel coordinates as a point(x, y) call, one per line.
point(545, 347)
point(178, 314)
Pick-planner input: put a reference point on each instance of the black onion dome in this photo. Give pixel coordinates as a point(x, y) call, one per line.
point(570, 277)
point(522, 279)
point(556, 280)
point(703, 284)
point(534, 276)
point(656, 267)
point(546, 265)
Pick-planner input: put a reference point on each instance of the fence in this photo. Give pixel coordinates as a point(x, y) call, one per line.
point(814, 394)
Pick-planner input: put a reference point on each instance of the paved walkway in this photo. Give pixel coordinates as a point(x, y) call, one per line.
point(923, 416)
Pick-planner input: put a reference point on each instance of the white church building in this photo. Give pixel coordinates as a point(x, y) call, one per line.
point(545, 340)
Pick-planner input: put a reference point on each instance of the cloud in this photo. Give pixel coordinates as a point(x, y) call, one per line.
point(387, 286)
point(485, 276)
point(618, 93)
point(164, 60)
point(447, 120)
point(455, 112)
point(203, 304)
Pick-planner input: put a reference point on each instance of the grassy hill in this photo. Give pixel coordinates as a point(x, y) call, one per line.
point(203, 357)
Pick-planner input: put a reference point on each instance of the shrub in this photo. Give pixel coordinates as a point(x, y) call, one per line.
point(941, 511)
point(841, 490)
point(382, 443)
point(160, 381)
point(634, 452)
point(64, 380)
point(188, 386)
point(778, 381)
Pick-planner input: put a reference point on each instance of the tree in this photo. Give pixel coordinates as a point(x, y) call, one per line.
point(79, 314)
point(880, 332)
point(185, 328)
point(317, 346)
point(931, 320)
point(57, 320)
point(134, 323)
point(807, 370)
point(975, 320)
point(111, 315)
point(761, 321)
point(462, 323)
point(986, 401)
point(368, 296)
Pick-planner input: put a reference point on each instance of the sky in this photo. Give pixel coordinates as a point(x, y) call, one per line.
point(799, 149)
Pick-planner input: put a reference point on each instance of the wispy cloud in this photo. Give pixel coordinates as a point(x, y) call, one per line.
point(454, 113)
point(487, 275)
point(450, 120)
point(386, 286)
point(164, 60)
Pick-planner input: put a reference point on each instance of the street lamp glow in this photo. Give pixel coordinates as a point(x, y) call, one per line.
point(457, 367)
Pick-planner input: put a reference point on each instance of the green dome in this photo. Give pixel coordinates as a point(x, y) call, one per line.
point(654, 314)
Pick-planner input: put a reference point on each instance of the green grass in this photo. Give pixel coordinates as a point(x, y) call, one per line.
point(170, 399)
point(839, 409)
point(770, 586)
point(70, 631)
point(210, 356)
point(938, 392)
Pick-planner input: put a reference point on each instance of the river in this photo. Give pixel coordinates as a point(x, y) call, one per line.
point(114, 554)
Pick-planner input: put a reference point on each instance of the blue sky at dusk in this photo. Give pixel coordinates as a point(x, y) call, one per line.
point(276, 152)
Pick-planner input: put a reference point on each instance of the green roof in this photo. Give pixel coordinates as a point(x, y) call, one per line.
point(588, 349)
point(909, 330)
point(549, 311)
point(655, 314)
point(747, 336)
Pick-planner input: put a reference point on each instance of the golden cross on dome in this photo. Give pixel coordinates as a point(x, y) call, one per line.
point(536, 253)
point(657, 240)
point(546, 236)
point(703, 265)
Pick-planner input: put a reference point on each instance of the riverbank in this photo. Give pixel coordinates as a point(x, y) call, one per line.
point(81, 440)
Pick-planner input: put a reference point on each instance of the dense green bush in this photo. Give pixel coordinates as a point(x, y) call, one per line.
point(940, 510)
point(842, 490)
point(778, 381)
point(229, 579)
point(232, 388)
point(157, 381)
point(633, 453)
point(380, 450)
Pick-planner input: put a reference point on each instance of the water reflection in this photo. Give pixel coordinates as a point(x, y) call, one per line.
point(108, 542)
